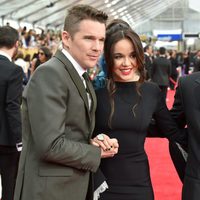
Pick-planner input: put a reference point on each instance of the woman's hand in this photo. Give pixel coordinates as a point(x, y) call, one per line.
point(109, 147)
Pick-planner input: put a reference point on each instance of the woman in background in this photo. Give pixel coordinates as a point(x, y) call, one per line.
point(44, 54)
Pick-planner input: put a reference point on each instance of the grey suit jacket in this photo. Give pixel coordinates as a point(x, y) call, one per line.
point(57, 158)
point(186, 111)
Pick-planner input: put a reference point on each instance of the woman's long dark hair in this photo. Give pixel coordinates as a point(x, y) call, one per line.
point(112, 37)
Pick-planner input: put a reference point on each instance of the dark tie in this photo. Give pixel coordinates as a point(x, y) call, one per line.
point(88, 87)
point(87, 80)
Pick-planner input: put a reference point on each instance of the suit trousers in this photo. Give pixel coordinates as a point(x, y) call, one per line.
point(8, 169)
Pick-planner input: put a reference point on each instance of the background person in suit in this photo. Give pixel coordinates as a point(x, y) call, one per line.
point(11, 77)
point(148, 51)
point(174, 66)
point(197, 62)
point(161, 71)
point(59, 116)
point(186, 111)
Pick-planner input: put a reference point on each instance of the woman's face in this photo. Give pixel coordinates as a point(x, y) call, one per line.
point(125, 62)
point(41, 56)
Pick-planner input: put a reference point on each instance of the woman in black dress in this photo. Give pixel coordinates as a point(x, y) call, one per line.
point(125, 109)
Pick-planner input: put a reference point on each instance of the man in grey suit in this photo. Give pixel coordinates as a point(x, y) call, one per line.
point(186, 111)
point(57, 159)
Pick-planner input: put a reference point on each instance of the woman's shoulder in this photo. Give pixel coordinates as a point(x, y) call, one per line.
point(101, 91)
point(150, 91)
point(150, 86)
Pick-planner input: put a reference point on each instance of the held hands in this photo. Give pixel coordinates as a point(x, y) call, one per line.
point(109, 147)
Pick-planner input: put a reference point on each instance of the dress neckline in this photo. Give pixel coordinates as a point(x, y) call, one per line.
point(126, 84)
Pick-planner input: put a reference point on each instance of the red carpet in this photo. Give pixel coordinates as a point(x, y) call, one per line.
point(166, 183)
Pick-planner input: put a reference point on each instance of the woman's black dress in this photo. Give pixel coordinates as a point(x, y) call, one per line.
point(127, 173)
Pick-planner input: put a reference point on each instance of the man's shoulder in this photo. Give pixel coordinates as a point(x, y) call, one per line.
point(101, 91)
point(50, 70)
point(57, 62)
point(9, 67)
point(54, 63)
point(190, 77)
point(159, 60)
point(189, 80)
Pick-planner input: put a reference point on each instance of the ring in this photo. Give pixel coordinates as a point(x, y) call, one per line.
point(100, 137)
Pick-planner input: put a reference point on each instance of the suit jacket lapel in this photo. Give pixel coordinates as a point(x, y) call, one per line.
point(74, 76)
point(93, 107)
point(93, 96)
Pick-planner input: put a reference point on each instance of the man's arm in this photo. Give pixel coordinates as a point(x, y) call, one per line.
point(177, 111)
point(13, 103)
point(47, 98)
point(178, 152)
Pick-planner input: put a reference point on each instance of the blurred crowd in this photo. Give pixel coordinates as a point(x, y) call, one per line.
point(36, 48)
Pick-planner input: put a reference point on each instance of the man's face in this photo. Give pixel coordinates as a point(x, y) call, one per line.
point(87, 43)
point(150, 50)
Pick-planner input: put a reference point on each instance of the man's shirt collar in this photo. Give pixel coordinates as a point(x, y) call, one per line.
point(6, 55)
point(78, 68)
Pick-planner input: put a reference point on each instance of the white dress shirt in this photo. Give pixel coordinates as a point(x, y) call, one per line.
point(80, 71)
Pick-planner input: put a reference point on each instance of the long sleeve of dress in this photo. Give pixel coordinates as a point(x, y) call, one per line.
point(166, 124)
